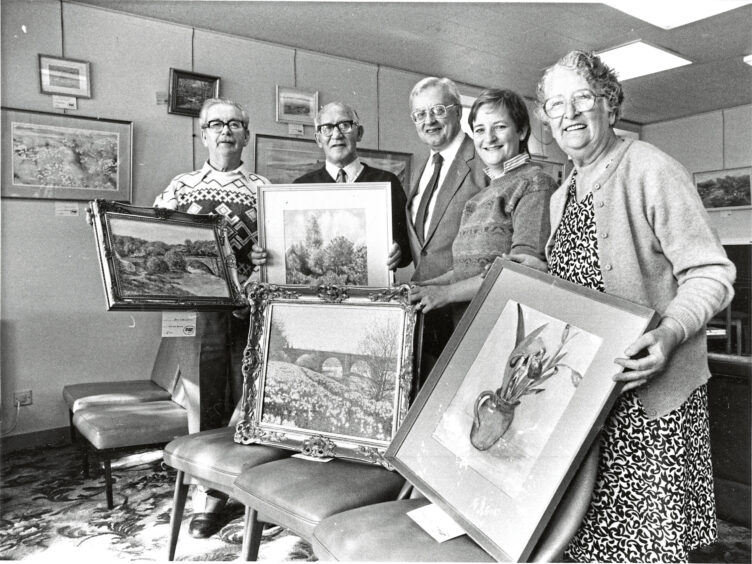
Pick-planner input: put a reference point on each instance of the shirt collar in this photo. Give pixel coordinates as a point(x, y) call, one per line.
point(510, 164)
point(352, 170)
point(208, 169)
point(449, 153)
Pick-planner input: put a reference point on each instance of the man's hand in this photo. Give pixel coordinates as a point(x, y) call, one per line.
point(395, 256)
point(258, 255)
point(430, 297)
point(659, 343)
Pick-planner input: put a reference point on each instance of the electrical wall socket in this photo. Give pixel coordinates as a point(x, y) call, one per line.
point(22, 397)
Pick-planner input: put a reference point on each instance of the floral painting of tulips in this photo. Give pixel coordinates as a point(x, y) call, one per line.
point(515, 393)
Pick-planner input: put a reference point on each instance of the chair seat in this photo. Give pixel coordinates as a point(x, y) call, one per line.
point(298, 494)
point(384, 533)
point(213, 456)
point(79, 396)
point(117, 426)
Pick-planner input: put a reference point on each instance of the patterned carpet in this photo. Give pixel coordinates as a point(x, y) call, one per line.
point(49, 513)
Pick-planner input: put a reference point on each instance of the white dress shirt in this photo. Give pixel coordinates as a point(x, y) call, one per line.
point(352, 170)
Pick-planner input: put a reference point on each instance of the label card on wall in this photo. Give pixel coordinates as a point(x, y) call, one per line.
point(178, 323)
point(64, 102)
point(66, 209)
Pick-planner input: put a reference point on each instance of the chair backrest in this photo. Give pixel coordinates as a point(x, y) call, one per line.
point(176, 370)
point(166, 370)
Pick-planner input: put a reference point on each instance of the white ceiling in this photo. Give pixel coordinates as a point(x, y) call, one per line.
point(491, 44)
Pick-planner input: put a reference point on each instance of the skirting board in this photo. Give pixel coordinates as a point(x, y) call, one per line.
point(48, 437)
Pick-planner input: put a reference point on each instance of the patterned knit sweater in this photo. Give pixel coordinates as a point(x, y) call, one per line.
point(510, 215)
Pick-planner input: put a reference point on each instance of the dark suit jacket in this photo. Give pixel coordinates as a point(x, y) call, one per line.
point(464, 179)
point(371, 174)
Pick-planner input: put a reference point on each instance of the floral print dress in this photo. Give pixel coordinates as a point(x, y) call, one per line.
point(653, 497)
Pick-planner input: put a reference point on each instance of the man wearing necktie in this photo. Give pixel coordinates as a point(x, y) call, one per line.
point(451, 176)
point(337, 133)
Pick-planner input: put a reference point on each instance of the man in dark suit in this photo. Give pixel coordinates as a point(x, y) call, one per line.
point(451, 175)
point(337, 133)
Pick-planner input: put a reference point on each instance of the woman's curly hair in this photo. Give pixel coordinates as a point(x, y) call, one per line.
point(601, 78)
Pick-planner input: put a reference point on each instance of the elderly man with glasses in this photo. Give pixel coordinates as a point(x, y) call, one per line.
point(222, 186)
point(450, 177)
point(338, 132)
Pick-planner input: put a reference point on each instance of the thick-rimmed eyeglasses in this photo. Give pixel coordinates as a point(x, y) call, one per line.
point(327, 129)
point(581, 100)
point(438, 111)
point(217, 125)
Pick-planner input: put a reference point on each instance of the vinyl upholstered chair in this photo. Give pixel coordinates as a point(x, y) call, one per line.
point(212, 459)
point(111, 419)
point(298, 494)
point(384, 532)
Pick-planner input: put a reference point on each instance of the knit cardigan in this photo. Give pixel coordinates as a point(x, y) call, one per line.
point(657, 248)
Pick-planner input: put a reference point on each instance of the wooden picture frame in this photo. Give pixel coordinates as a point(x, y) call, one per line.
point(189, 90)
point(159, 259)
point(66, 77)
point(326, 233)
point(527, 337)
point(342, 392)
point(283, 159)
point(65, 157)
point(727, 189)
point(296, 106)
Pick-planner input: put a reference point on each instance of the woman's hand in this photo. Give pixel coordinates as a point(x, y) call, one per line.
point(659, 344)
point(430, 297)
point(527, 260)
point(395, 256)
point(258, 255)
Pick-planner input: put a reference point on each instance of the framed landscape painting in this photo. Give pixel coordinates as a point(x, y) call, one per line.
point(338, 392)
point(189, 91)
point(65, 157)
point(157, 259)
point(513, 404)
point(283, 159)
point(326, 233)
point(727, 189)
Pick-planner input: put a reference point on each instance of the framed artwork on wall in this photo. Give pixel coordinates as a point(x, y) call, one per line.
point(283, 159)
point(727, 189)
point(326, 233)
point(296, 106)
point(68, 77)
point(158, 259)
point(189, 91)
point(513, 404)
point(65, 157)
point(342, 392)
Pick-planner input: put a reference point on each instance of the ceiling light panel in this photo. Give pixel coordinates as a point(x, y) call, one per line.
point(640, 59)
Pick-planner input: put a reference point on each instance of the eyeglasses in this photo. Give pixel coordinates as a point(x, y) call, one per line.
point(439, 111)
point(581, 100)
point(217, 125)
point(327, 129)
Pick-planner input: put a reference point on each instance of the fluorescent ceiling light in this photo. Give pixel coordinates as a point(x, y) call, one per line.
point(638, 59)
point(669, 14)
point(748, 59)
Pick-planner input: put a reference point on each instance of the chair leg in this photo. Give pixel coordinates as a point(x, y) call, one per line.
point(251, 536)
point(72, 427)
point(176, 518)
point(85, 460)
point(108, 480)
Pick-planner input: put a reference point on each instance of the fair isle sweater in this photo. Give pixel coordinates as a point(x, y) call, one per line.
point(508, 216)
point(657, 248)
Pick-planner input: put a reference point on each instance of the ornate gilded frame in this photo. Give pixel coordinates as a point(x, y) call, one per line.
point(311, 305)
point(125, 236)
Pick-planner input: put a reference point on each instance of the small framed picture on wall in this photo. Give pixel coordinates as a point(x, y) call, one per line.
point(189, 91)
point(68, 77)
point(296, 106)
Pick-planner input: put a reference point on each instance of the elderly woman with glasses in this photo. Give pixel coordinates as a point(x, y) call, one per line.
point(628, 221)
point(509, 216)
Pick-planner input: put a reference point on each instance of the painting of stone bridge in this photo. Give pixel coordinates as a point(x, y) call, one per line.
point(333, 369)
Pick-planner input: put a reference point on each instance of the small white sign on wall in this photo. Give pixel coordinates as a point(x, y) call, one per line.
point(64, 102)
point(178, 323)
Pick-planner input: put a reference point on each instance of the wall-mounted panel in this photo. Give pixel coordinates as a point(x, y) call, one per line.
point(696, 142)
point(737, 137)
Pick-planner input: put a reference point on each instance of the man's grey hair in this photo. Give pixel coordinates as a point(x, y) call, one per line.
point(445, 84)
point(347, 107)
point(221, 102)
